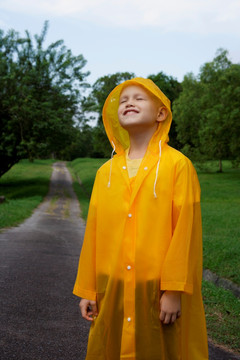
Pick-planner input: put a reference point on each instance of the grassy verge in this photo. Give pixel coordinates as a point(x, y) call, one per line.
point(24, 187)
point(221, 231)
point(222, 310)
point(220, 212)
point(84, 170)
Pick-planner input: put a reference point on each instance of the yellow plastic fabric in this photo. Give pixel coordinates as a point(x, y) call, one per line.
point(136, 246)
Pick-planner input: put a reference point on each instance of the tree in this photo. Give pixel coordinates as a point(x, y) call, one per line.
point(187, 112)
point(40, 96)
point(168, 84)
point(81, 144)
point(207, 111)
point(220, 127)
point(172, 89)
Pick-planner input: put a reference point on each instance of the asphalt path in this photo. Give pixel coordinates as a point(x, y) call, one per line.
point(39, 316)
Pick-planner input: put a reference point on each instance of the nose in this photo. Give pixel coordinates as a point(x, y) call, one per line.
point(129, 103)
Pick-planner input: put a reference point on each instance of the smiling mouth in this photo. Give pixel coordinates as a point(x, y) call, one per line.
point(130, 111)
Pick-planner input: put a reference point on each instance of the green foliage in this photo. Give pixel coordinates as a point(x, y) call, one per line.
point(24, 187)
point(168, 84)
point(186, 113)
point(172, 89)
point(39, 97)
point(81, 144)
point(220, 126)
point(207, 111)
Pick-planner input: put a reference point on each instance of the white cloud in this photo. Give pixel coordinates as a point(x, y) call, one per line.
point(199, 16)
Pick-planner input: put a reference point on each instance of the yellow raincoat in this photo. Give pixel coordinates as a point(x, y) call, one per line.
point(141, 238)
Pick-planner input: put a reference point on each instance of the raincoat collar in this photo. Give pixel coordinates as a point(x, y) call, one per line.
point(147, 164)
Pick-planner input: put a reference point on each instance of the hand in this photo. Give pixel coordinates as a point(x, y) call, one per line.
point(170, 306)
point(88, 309)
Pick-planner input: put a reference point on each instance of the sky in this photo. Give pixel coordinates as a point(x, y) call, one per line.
point(139, 36)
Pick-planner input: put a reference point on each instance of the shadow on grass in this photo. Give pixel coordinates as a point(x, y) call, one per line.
point(19, 189)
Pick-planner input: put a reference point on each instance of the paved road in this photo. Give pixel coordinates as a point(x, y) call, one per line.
point(39, 317)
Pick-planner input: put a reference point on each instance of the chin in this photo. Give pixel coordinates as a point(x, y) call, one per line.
point(129, 126)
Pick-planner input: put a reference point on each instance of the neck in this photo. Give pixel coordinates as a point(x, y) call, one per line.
point(139, 143)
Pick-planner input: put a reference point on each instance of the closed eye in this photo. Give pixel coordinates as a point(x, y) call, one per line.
point(123, 101)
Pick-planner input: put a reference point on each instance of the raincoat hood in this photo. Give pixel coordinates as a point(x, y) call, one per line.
point(117, 135)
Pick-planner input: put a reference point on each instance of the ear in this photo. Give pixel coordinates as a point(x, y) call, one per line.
point(162, 114)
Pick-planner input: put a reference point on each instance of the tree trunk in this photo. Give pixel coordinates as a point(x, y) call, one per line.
point(220, 166)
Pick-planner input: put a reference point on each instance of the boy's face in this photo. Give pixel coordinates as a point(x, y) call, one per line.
point(138, 108)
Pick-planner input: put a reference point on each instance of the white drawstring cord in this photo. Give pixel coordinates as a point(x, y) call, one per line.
point(110, 173)
point(155, 182)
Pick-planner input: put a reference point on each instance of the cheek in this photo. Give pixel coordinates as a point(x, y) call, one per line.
point(119, 113)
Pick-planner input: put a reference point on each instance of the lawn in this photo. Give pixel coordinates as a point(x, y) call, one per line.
point(24, 187)
point(221, 230)
point(221, 234)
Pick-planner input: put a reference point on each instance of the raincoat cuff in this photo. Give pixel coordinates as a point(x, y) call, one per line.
point(85, 294)
point(177, 286)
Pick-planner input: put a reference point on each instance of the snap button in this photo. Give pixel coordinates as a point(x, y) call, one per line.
point(129, 319)
point(124, 167)
point(129, 267)
point(129, 215)
point(145, 168)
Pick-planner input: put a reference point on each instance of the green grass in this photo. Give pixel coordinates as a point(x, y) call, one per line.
point(84, 169)
point(221, 230)
point(24, 187)
point(222, 310)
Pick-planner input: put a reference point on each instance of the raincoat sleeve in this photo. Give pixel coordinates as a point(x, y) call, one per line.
point(182, 267)
point(85, 284)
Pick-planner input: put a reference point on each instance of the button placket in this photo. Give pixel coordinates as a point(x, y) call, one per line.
point(129, 273)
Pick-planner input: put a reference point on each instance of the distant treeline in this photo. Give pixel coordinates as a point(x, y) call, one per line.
point(45, 108)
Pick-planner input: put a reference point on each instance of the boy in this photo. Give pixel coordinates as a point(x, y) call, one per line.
point(140, 267)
